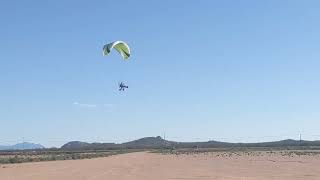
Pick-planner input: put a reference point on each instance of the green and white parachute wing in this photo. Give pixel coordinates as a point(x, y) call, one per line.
point(122, 48)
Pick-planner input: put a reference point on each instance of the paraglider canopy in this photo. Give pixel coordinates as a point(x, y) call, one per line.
point(122, 48)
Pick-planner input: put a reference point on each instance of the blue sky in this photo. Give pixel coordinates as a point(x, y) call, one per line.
point(225, 70)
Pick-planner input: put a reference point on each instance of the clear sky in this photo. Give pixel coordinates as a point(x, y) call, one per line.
point(224, 70)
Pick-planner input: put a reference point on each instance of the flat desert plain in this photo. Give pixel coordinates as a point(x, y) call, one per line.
point(152, 166)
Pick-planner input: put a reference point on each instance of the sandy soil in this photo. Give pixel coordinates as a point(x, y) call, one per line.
point(149, 166)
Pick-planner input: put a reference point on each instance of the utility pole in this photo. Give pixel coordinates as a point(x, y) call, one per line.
point(22, 143)
point(300, 139)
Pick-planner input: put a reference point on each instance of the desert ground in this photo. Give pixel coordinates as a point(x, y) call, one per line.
point(155, 166)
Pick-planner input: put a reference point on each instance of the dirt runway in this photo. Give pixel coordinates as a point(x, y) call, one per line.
point(150, 166)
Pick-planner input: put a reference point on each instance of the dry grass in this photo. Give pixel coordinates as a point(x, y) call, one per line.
point(37, 156)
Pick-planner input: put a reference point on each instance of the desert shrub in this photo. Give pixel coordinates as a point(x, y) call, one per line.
point(15, 159)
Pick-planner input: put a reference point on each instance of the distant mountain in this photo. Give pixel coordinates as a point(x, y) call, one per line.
point(22, 146)
point(143, 143)
point(147, 142)
point(158, 142)
point(75, 145)
point(78, 145)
